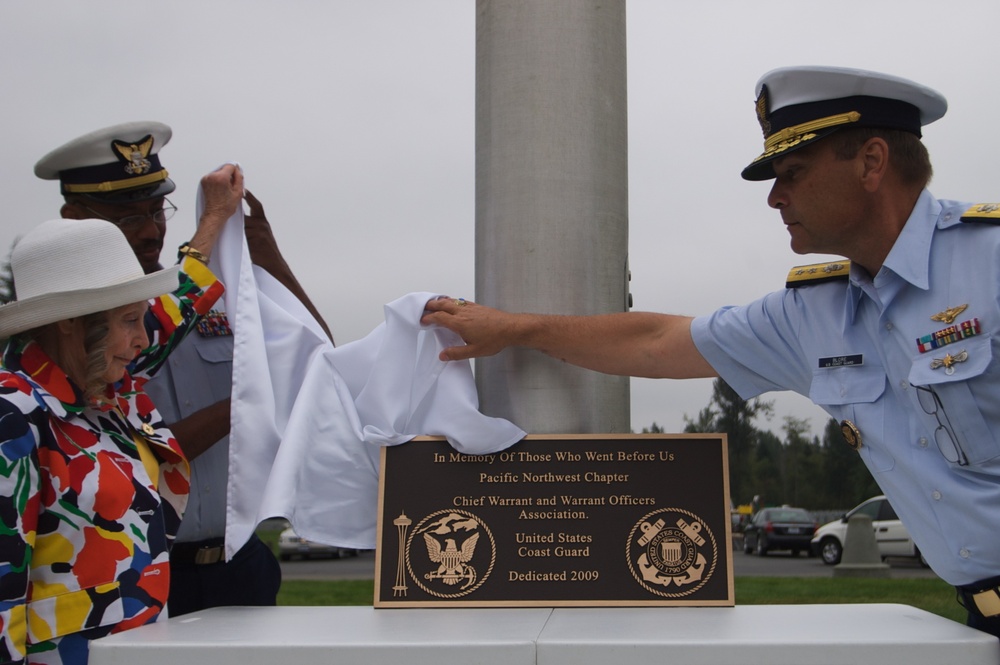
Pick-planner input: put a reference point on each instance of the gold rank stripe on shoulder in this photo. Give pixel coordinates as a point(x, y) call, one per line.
point(817, 272)
point(983, 212)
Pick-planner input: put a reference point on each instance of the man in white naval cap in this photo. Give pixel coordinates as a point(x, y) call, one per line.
point(897, 341)
point(115, 174)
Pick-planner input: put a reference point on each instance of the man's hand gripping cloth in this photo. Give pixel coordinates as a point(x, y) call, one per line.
point(308, 419)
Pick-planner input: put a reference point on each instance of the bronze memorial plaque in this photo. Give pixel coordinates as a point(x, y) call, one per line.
point(556, 520)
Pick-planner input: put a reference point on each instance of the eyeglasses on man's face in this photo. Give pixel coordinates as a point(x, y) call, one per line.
point(944, 435)
point(131, 221)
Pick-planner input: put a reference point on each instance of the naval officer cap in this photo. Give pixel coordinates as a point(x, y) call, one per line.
point(116, 164)
point(797, 106)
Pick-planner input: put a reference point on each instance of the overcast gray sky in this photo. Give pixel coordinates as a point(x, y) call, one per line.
point(354, 122)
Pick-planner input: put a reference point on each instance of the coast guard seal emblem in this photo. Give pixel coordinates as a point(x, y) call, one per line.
point(450, 553)
point(671, 552)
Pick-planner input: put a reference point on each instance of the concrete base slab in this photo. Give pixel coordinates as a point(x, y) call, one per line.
point(880, 634)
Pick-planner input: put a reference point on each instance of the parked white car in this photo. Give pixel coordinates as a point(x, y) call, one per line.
point(891, 536)
point(291, 545)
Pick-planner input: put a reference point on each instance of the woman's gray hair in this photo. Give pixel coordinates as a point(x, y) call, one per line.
point(95, 343)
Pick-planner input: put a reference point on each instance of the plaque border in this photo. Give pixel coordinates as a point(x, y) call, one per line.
point(726, 541)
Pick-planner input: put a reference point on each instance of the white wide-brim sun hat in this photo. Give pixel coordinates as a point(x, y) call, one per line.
point(66, 268)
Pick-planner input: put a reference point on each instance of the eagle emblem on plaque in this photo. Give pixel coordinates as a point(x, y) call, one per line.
point(450, 553)
point(455, 567)
point(671, 552)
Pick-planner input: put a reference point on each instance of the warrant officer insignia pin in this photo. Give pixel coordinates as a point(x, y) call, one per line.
point(948, 362)
point(852, 435)
point(449, 554)
point(671, 552)
point(949, 315)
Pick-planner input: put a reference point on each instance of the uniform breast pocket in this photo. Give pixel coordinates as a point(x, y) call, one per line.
point(855, 393)
point(213, 367)
point(954, 374)
point(216, 349)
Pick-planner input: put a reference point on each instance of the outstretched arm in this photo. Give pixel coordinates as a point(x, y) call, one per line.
point(627, 343)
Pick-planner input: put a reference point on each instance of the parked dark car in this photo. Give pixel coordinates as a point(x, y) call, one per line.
point(783, 528)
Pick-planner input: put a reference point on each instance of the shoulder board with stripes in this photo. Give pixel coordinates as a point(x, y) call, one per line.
point(816, 273)
point(983, 212)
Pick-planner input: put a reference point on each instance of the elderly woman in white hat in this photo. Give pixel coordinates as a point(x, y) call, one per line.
point(92, 483)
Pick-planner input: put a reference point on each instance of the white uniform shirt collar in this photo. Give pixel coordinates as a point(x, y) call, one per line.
point(909, 258)
point(910, 255)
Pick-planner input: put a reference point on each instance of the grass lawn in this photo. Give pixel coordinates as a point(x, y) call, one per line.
point(932, 595)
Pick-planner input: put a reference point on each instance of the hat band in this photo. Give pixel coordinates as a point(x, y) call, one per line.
point(115, 185)
point(806, 127)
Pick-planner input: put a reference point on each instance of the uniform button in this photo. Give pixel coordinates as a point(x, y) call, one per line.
point(888, 325)
point(936, 495)
point(964, 553)
point(904, 384)
point(922, 441)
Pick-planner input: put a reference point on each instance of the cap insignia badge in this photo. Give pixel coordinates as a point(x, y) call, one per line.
point(949, 315)
point(762, 112)
point(134, 155)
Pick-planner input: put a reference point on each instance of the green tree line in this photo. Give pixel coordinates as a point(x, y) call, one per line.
point(815, 473)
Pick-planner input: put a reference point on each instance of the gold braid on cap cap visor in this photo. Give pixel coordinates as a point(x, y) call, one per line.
point(790, 137)
point(114, 185)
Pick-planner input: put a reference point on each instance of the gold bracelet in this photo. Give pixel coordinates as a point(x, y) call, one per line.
point(188, 250)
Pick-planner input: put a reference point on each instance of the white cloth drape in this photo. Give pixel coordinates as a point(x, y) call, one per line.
point(308, 419)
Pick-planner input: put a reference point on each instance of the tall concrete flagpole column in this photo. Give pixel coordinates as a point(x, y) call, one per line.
point(551, 198)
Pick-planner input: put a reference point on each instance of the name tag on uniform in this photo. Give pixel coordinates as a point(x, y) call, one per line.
point(841, 361)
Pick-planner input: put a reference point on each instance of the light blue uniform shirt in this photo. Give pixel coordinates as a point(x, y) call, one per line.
point(197, 374)
point(851, 347)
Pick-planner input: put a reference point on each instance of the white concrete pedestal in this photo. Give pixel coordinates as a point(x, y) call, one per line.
point(880, 634)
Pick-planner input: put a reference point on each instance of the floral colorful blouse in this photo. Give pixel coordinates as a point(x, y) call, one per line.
point(91, 494)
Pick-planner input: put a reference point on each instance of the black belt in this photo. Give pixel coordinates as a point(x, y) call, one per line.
point(982, 598)
point(202, 552)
